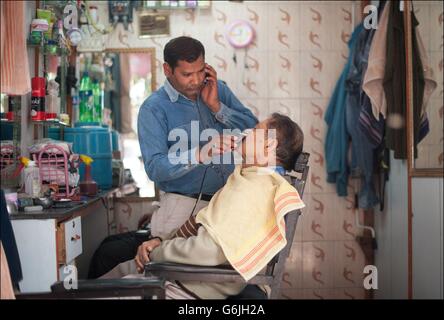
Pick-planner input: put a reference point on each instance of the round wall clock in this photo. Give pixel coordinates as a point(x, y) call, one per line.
point(240, 34)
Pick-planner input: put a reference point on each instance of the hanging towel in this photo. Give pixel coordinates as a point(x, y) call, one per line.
point(14, 65)
point(246, 217)
point(374, 75)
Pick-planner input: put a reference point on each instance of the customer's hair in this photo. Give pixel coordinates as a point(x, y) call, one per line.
point(182, 48)
point(290, 139)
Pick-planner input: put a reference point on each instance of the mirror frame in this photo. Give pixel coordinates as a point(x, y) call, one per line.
point(412, 170)
point(152, 51)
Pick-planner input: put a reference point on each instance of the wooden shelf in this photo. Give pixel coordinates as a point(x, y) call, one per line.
point(51, 123)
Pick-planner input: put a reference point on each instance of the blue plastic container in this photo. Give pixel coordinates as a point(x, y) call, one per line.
point(6, 131)
point(115, 140)
point(95, 142)
point(86, 124)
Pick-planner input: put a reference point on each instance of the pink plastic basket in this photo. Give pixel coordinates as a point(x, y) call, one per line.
point(53, 165)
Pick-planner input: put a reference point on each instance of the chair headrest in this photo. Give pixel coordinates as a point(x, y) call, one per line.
point(301, 162)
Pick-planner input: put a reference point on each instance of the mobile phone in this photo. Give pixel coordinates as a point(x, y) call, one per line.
point(206, 77)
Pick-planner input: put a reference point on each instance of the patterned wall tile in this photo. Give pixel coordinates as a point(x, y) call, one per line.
point(313, 26)
point(318, 260)
point(292, 277)
point(436, 61)
point(339, 21)
point(422, 13)
point(311, 68)
point(349, 264)
point(348, 293)
point(300, 224)
point(259, 107)
point(334, 62)
point(436, 156)
point(346, 214)
point(435, 117)
point(320, 222)
point(284, 26)
point(312, 122)
point(128, 213)
point(437, 24)
point(423, 159)
point(292, 294)
point(282, 74)
point(289, 107)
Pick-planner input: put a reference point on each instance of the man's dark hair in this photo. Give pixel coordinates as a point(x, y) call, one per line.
point(182, 48)
point(290, 139)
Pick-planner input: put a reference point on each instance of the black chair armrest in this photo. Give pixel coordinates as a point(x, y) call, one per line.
point(111, 284)
point(185, 272)
point(101, 288)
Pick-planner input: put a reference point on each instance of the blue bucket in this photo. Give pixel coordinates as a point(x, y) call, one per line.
point(95, 142)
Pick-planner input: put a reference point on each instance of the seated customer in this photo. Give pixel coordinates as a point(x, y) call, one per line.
point(243, 225)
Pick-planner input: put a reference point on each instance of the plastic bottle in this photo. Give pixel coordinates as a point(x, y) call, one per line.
point(86, 107)
point(38, 99)
point(31, 175)
point(52, 101)
point(98, 101)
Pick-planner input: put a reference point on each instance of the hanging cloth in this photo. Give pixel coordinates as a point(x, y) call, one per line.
point(14, 64)
point(337, 140)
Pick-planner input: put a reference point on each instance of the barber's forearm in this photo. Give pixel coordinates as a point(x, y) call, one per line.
point(233, 118)
point(162, 168)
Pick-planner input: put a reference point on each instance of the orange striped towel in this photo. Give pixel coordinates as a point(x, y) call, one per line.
point(246, 217)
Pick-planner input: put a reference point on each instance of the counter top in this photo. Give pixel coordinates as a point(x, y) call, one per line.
point(62, 214)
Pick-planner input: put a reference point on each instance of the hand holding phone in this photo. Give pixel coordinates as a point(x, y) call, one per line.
point(209, 92)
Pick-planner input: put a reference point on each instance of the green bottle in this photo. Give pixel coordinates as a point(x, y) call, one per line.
point(98, 101)
point(86, 107)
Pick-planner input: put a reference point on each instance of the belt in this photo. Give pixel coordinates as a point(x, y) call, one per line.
point(205, 197)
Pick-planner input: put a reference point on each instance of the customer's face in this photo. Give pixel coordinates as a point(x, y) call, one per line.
point(187, 77)
point(257, 147)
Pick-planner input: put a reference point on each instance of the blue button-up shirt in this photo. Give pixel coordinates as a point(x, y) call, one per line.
point(167, 109)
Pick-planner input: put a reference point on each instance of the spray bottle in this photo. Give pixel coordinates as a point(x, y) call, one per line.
point(31, 177)
point(88, 186)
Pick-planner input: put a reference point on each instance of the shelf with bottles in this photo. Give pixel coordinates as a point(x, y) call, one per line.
point(50, 48)
point(49, 123)
point(14, 122)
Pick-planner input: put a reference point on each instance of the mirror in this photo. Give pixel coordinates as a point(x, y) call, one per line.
point(430, 150)
point(127, 78)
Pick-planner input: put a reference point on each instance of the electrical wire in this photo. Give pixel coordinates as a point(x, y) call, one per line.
point(200, 191)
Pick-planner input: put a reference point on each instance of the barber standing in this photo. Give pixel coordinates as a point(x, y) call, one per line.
point(191, 99)
point(191, 93)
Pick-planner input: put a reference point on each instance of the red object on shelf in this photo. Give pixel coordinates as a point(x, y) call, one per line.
point(51, 116)
point(10, 116)
point(38, 99)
